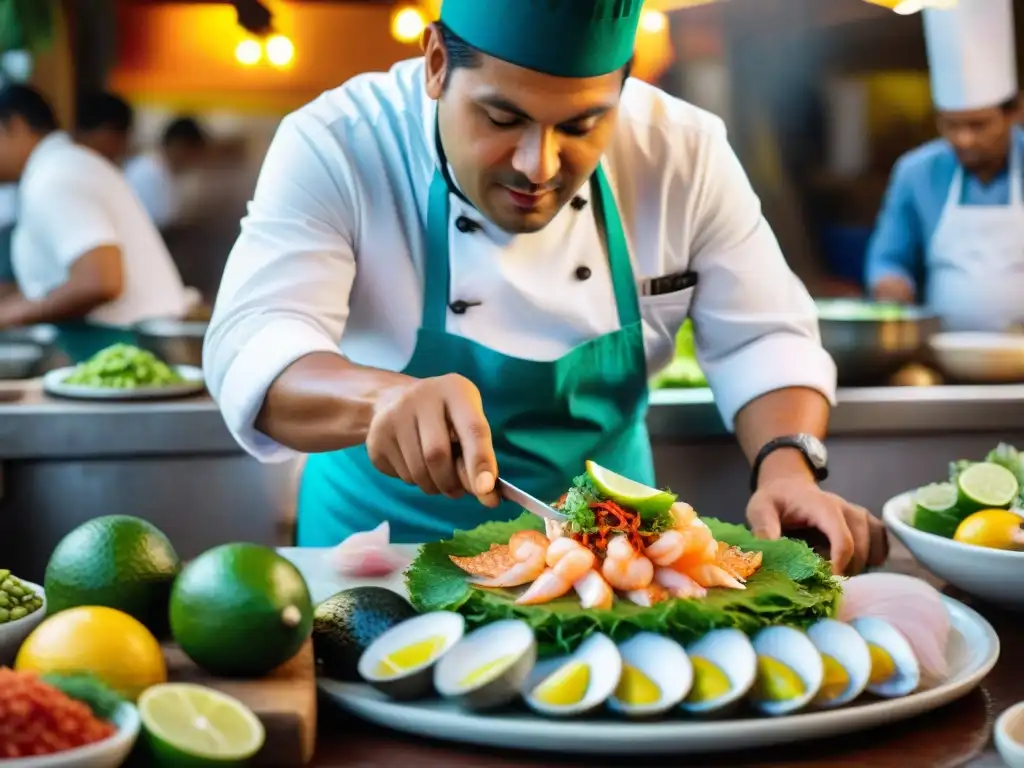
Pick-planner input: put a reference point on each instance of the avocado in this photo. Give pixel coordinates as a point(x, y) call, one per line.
point(345, 624)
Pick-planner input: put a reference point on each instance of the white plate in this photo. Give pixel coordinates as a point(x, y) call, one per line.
point(990, 574)
point(973, 651)
point(53, 384)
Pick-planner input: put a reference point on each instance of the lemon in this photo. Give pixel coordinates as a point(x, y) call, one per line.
point(110, 644)
point(188, 726)
point(629, 493)
point(992, 528)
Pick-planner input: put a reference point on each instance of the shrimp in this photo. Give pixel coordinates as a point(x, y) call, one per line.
point(624, 568)
point(668, 548)
point(594, 592)
point(683, 514)
point(678, 584)
point(568, 561)
point(710, 575)
point(649, 595)
point(528, 549)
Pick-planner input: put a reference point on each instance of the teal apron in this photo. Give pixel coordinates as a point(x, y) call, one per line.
point(546, 418)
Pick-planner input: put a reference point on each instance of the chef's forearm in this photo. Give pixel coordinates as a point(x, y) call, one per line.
point(784, 412)
point(67, 302)
point(323, 402)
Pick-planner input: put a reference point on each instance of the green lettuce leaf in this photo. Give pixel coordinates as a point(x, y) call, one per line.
point(794, 586)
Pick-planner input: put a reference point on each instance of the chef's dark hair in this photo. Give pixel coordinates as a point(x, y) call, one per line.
point(184, 130)
point(29, 104)
point(104, 110)
point(462, 55)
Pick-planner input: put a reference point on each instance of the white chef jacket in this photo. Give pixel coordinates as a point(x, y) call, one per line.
point(331, 255)
point(71, 201)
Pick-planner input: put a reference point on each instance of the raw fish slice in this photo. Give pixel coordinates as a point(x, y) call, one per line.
point(678, 584)
point(594, 592)
point(491, 563)
point(911, 605)
point(649, 596)
point(368, 555)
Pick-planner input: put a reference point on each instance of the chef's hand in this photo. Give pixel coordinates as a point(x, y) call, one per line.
point(412, 436)
point(894, 289)
point(856, 537)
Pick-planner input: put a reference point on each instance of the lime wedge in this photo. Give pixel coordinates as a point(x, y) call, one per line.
point(937, 497)
point(986, 486)
point(629, 493)
point(191, 725)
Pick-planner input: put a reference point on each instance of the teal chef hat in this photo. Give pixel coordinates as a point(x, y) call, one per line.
point(566, 38)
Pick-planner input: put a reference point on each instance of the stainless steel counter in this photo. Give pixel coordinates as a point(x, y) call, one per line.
point(175, 463)
point(683, 413)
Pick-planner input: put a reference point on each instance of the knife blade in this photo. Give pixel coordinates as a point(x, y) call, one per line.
point(528, 502)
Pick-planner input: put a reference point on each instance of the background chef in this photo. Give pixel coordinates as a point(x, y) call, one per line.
point(498, 242)
point(85, 255)
point(954, 214)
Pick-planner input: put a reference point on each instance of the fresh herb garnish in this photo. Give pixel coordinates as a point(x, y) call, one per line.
point(576, 506)
point(581, 518)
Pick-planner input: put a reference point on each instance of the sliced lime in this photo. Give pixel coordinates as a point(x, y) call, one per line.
point(629, 493)
point(192, 725)
point(937, 497)
point(986, 486)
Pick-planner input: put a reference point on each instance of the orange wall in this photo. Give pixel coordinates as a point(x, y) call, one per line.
point(183, 56)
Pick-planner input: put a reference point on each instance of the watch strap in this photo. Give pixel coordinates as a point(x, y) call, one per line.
point(790, 441)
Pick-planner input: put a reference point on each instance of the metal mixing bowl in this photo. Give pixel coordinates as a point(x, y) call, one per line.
point(870, 342)
point(176, 342)
point(20, 361)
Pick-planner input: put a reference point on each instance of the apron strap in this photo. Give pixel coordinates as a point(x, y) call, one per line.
point(626, 300)
point(436, 287)
point(437, 275)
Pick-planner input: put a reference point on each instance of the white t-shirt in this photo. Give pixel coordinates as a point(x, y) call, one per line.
point(155, 186)
point(72, 201)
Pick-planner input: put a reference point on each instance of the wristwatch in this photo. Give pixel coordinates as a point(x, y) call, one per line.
point(812, 448)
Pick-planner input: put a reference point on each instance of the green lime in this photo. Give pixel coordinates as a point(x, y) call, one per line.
point(241, 610)
point(933, 521)
point(937, 497)
point(629, 493)
point(986, 486)
point(119, 562)
point(191, 726)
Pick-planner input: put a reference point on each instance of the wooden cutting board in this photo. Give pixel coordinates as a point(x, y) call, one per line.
point(285, 702)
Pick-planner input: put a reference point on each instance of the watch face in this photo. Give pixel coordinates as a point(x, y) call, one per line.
point(816, 451)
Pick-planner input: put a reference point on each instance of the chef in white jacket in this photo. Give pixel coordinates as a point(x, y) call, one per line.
point(951, 231)
point(471, 264)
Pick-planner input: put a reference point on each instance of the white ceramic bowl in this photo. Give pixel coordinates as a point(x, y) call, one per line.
point(980, 357)
point(993, 575)
point(13, 633)
point(1009, 736)
point(109, 753)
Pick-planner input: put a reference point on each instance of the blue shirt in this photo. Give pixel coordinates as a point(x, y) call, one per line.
point(913, 205)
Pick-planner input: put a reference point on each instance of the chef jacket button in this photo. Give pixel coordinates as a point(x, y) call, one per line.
point(583, 273)
point(459, 307)
point(464, 224)
point(578, 203)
